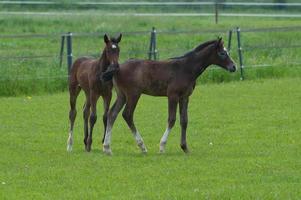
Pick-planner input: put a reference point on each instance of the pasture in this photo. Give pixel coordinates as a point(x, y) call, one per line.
point(244, 139)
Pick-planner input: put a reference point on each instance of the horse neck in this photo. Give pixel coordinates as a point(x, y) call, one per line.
point(199, 62)
point(103, 62)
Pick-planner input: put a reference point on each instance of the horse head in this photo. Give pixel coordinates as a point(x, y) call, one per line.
point(221, 56)
point(112, 55)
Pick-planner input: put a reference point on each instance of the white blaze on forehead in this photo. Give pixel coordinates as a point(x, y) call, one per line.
point(114, 46)
point(225, 49)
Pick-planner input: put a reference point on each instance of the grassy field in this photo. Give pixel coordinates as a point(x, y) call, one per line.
point(244, 139)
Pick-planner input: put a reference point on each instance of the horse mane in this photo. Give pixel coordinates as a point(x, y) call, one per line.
point(197, 49)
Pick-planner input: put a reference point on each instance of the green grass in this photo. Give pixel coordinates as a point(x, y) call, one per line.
point(253, 126)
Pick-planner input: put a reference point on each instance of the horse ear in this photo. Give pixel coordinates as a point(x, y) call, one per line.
point(119, 38)
point(106, 38)
point(220, 42)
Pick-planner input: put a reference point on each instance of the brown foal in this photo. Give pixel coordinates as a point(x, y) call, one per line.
point(87, 74)
point(174, 78)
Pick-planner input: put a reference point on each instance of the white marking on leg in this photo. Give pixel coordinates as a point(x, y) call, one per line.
point(107, 141)
point(163, 140)
point(139, 141)
point(70, 141)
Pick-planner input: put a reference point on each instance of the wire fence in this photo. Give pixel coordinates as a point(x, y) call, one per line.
point(281, 51)
point(282, 48)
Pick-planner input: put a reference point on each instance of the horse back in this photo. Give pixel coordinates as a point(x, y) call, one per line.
point(156, 78)
point(80, 68)
point(78, 63)
point(145, 76)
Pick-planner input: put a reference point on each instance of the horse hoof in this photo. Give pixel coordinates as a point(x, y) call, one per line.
point(88, 148)
point(69, 148)
point(162, 150)
point(107, 150)
point(144, 151)
point(142, 147)
point(186, 150)
point(108, 153)
point(162, 147)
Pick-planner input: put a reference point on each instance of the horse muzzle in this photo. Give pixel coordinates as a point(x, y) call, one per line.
point(109, 73)
point(231, 68)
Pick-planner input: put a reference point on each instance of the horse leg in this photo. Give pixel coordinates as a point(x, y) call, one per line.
point(74, 91)
point(112, 115)
point(93, 117)
point(128, 114)
point(172, 110)
point(86, 114)
point(106, 106)
point(183, 104)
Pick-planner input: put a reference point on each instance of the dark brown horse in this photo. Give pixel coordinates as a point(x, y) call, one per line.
point(87, 74)
point(174, 78)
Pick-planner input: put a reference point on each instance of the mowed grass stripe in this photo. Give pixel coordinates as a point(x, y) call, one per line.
point(244, 139)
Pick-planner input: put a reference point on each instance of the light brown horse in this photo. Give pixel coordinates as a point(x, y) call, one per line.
point(174, 78)
point(87, 74)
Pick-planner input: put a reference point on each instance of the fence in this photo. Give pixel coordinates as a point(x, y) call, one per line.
point(150, 48)
point(153, 51)
point(40, 60)
point(216, 8)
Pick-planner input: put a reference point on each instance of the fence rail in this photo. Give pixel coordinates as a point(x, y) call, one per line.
point(169, 32)
point(153, 14)
point(146, 3)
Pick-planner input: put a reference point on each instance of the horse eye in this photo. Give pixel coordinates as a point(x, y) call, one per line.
point(222, 54)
